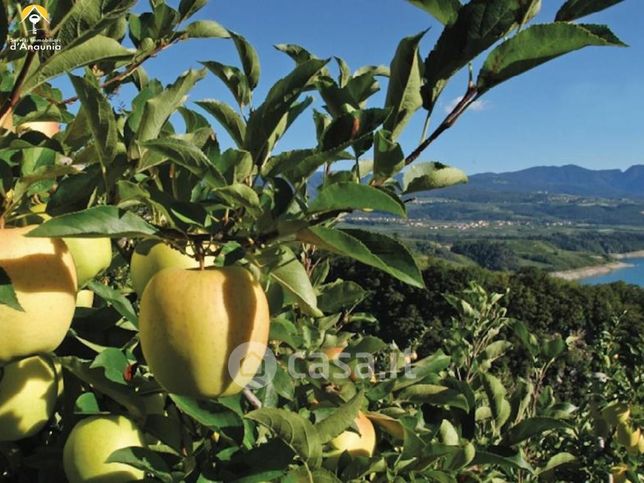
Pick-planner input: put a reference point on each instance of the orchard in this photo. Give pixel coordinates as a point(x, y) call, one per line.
point(165, 299)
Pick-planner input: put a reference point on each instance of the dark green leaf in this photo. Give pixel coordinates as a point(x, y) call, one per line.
point(496, 392)
point(4, 25)
point(501, 456)
point(445, 11)
point(96, 222)
point(116, 299)
point(265, 120)
point(574, 9)
point(340, 419)
point(102, 122)
point(531, 427)
point(188, 8)
point(430, 176)
point(158, 109)
point(214, 416)
point(403, 91)
point(353, 196)
point(8, 295)
point(143, 459)
point(227, 117)
point(435, 395)
point(294, 430)
point(249, 59)
point(372, 249)
point(388, 156)
point(338, 295)
point(532, 47)
point(233, 78)
point(352, 127)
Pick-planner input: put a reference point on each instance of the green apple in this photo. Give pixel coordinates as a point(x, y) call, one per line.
point(152, 256)
point(28, 392)
point(91, 256)
point(92, 441)
point(190, 323)
point(43, 276)
point(362, 443)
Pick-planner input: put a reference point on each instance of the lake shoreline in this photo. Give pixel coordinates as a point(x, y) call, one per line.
point(597, 270)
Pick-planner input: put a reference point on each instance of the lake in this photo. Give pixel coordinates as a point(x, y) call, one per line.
point(634, 274)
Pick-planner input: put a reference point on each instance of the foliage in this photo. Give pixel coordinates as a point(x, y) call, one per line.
point(133, 174)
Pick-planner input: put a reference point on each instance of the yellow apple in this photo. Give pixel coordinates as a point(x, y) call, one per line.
point(152, 256)
point(85, 298)
point(28, 392)
point(91, 256)
point(190, 323)
point(43, 276)
point(362, 444)
point(92, 441)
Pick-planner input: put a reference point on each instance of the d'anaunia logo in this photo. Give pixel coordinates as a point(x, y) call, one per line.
point(35, 18)
point(36, 15)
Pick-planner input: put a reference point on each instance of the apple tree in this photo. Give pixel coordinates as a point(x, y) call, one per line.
point(182, 204)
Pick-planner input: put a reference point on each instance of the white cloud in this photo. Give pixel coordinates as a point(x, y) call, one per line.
point(476, 106)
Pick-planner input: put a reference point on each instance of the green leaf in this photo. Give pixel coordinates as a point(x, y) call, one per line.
point(351, 127)
point(302, 474)
point(113, 362)
point(531, 427)
point(445, 11)
point(84, 19)
point(340, 294)
point(212, 415)
point(388, 156)
point(101, 120)
point(86, 404)
point(203, 29)
point(187, 8)
point(8, 295)
point(431, 176)
point(299, 164)
point(181, 152)
point(93, 50)
point(294, 430)
point(448, 433)
point(496, 392)
point(372, 249)
point(403, 91)
point(157, 110)
point(345, 196)
point(233, 78)
point(265, 120)
point(123, 395)
point(249, 59)
point(296, 52)
point(436, 395)
point(96, 222)
point(232, 122)
point(290, 274)
point(557, 460)
point(532, 47)
point(143, 459)
point(238, 194)
point(340, 419)
point(574, 9)
point(501, 456)
point(480, 23)
point(116, 299)
point(553, 347)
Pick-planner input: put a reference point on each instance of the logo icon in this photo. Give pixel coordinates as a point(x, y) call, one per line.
point(35, 14)
point(254, 361)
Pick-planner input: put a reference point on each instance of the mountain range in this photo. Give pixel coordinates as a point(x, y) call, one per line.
point(569, 179)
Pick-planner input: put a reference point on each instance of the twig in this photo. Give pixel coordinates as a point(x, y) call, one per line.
point(252, 399)
point(469, 97)
point(14, 96)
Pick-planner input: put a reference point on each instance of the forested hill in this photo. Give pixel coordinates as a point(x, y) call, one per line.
point(570, 179)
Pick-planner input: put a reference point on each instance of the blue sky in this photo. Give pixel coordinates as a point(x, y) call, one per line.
point(585, 108)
